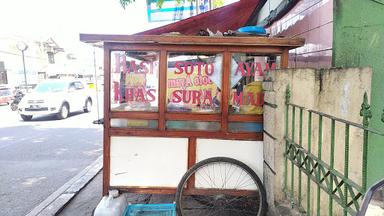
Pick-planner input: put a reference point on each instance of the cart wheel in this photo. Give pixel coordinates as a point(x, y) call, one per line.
point(220, 186)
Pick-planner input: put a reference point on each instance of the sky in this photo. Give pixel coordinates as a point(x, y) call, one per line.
point(65, 19)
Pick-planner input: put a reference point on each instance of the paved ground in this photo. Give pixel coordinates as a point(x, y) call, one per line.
point(86, 201)
point(38, 157)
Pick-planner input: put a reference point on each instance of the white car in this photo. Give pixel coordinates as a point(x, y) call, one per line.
point(59, 97)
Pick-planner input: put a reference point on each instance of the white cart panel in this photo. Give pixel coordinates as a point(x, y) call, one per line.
point(148, 161)
point(248, 152)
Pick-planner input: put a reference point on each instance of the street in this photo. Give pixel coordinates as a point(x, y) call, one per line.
point(39, 156)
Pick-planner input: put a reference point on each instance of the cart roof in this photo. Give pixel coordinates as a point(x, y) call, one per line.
point(193, 40)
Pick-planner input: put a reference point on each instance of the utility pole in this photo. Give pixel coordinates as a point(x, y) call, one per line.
point(22, 47)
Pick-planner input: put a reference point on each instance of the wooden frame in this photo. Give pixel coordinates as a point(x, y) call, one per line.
point(106, 132)
point(163, 45)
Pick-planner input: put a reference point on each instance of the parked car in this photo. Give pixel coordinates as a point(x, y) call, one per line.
point(59, 97)
point(5, 95)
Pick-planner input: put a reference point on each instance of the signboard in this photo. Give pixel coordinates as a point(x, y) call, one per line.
point(246, 82)
point(172, 11)
point(194, 82)
point(134, 81)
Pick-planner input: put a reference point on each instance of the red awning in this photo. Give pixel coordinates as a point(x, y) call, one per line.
point(230, 17)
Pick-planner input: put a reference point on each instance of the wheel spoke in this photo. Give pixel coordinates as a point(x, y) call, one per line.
point(209, 176)
point(223, 187)
point(209, 184)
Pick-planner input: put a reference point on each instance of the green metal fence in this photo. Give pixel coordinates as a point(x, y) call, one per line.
point(303, 164)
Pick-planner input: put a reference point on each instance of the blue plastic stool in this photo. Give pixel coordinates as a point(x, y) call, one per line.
point(167, 209)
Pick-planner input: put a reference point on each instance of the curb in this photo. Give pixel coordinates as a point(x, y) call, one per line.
point(62, 196)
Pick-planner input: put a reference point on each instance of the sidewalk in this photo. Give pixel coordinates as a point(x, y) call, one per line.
point(86, 200)
point(78, 197)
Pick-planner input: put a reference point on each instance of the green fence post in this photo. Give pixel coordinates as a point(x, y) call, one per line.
point(299, 155)
point(319, 149)
point(332, 161)
point(366, 113)
point(292, 158)
point(346, 168)
point(309, 164)
point(287, 100)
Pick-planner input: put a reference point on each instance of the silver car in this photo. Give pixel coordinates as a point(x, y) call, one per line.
point(59, 97)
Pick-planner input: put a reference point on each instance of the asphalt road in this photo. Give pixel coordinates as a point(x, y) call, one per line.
point(39, 156)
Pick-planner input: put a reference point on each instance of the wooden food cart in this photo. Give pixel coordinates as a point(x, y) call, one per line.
point(172, 101)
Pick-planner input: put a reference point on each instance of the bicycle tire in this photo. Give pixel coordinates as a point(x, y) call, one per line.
point(214, 201)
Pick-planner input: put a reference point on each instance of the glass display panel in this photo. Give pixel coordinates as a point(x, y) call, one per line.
point(193, 125)
point(133, 123)
point(134, 80)
point(194, 82)
point(245, 127)
point(247, 69)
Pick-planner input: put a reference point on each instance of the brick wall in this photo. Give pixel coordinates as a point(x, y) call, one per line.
point(312, 20)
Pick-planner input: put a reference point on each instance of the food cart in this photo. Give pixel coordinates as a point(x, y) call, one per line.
point(173, 101)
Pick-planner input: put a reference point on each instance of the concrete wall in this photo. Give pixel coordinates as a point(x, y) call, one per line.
point(359, 42)
point(338, 92)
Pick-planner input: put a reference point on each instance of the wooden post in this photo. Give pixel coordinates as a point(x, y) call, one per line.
point(107, 124)
point(285, 59)
point(162, 89)
point(191, 160)
point(225, 93)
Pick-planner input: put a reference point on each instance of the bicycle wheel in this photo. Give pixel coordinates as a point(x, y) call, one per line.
point(220, 186)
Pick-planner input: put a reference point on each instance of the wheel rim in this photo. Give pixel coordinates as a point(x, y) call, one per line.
point(221, 188)
point(64, 111)
point(89, 105)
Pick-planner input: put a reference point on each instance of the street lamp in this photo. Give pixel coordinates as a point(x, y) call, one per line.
point(22, 47)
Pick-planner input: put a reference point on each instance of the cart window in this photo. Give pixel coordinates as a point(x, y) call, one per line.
point(194, 82)
point(247, 69)
point(133, 123)
point(235, 127)
point(134, 80)
point(193, 125)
